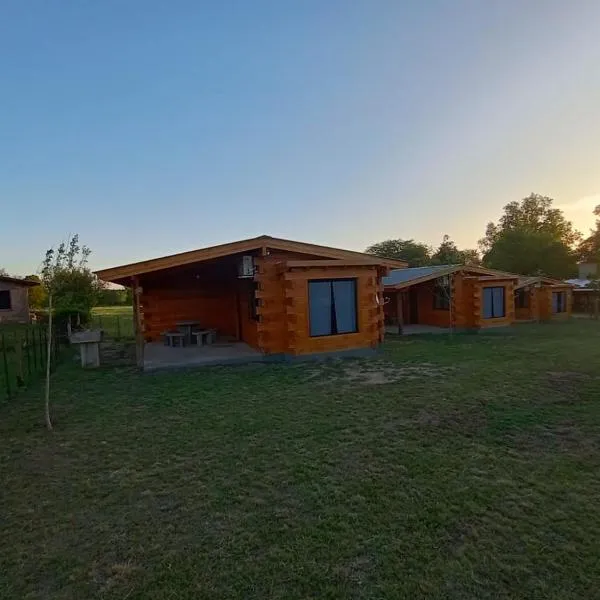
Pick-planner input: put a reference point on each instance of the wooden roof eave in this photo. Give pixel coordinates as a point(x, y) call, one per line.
point(480, 272)
point(17, 281)
point(423, 279)
point(263, 244)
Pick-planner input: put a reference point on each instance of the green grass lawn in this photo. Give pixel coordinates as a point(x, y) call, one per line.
point(465, 467)
point(116, 321)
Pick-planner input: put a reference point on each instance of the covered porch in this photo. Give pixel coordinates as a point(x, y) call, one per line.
point(214, 295)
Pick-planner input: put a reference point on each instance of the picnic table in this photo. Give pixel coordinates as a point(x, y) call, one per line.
point(205, 336)
point(186, 328)
point(174, 338)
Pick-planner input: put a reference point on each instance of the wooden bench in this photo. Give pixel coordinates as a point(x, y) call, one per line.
point(174, 338)
point(205, 336)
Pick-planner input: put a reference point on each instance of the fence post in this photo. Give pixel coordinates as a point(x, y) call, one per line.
point(20, 375)
point(28, 353)
point(5, 361)
point(33, 348)
point(41, 342)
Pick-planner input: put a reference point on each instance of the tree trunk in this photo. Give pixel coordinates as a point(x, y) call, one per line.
point(48, 361)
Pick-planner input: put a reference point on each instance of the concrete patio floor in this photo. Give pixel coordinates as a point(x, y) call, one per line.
point(157, 356)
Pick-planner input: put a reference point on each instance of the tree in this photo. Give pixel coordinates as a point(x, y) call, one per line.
point(531, 238)
point(414, 253)
point(531, 253)
point(74, 287)
point(448, 253)
point(71, 288)
point(3, 272)
point(38, 297)
point(589, 249)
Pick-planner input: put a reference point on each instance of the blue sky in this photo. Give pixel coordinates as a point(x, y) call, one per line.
point(156, 127)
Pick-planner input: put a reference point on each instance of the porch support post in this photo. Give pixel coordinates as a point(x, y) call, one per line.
point(137, 321)
point(399, 311)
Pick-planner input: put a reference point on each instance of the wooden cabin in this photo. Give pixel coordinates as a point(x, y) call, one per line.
point(279, 297)
point(449, 296)
point(542, 299)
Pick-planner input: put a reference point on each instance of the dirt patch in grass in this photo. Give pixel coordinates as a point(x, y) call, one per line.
point(375, 372)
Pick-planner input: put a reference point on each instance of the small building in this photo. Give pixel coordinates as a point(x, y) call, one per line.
point(14, 299)
point(542, 298)
point(585, 294)
point(271, 296)
point(448, 296)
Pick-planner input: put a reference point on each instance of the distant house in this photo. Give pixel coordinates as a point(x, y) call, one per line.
point(277, 297)
point(585, 297)
point(14, 299)
point(458, 296)
point(542, 298)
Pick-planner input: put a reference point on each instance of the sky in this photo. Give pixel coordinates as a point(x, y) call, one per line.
point(152, 127)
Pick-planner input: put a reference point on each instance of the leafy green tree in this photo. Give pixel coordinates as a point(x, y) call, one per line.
point(38, 297)
point(71, 288)
point(448, 253)
point(531, 253)
point(531, 238)
point(414, 253)
point(112, 297)
point(65, 275)
point(589, 249)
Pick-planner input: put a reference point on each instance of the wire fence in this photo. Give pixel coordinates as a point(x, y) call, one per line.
point(23, 356)
point(117, 327)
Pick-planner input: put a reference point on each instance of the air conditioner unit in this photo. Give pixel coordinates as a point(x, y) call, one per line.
point(246, 267)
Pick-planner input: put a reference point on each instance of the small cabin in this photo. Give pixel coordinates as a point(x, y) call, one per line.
point(267, 296)
point(542, 299)
point(448, 296)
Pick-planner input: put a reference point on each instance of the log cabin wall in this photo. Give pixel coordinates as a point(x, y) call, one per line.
point(544, 299)
point(284, 308)
point(247, 313)
point(213, 306)
point(529, 312)
point(509, 302)
point(272, 329)
point(544, 295)
point(426, 312)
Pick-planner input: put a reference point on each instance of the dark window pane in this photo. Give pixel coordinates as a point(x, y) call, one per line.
point(498, 296)
point(319, 302)
point(344, 298)
point(559, 302)
point(5, 300)
point(487, 303)
point(441, 297)
point(521, 299)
